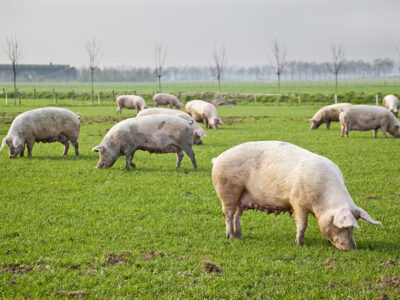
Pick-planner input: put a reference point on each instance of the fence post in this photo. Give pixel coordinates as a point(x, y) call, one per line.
point(34, 94)
point(255, 98)
point(54, 95)
point(98, 97)
point(6, 100)
point(19, 98)
point(113, 95)
point(376, 99)
point(335, 98)
point(73, 95)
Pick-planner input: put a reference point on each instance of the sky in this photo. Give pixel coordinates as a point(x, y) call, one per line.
point(129, 30)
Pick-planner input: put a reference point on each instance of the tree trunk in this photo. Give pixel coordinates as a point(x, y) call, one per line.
point(91, 72)
point(279, 88)
point(219, 85)
point(15, 84)
point(159, 83)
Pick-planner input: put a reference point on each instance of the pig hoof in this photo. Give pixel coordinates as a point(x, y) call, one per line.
point(299, 242)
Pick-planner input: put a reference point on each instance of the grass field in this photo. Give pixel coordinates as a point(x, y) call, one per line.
point(66, 226)
point(241, 87)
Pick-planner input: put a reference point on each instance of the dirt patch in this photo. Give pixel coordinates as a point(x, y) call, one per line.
point(108, 119)
point(394, 281)
point(371, 197)
point(16, 269)
point(210, 267)
point(330, 263)
point(71, 294)
point(389, 263)
point(149, 255)
point(119, 258)
point(239, 119)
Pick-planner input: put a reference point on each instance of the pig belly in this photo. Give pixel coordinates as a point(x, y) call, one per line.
point(247, 202)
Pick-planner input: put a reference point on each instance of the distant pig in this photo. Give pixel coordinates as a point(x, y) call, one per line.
point(328, 114)
point(130, 102)
point(368, 117)
point(47, 125)
point(197, 130)
point(166, 99)
point(391, 103)
point(276, 177)
point(154, 133)
point(205, 112)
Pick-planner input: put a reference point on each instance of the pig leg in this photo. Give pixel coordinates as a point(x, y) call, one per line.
point(190, 153)
point(300, 217)
point(375, 131)
point(341, 131)
point(129, 157)
point(118, 110)
point(21, 154)
point(383, 129)
point(236, 222)
point(29, 145)
point(205, 121)
point(76, 145)
point(328, 124)
point(179, 156)
point(66, 147)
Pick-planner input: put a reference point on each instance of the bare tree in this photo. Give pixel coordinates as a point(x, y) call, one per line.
point(335, 65)
point(219, 60)
point(279, 61)
point(13, 51)
point(160, 55)
point(93, 50)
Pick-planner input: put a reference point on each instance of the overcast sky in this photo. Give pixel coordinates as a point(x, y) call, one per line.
point(128, 30)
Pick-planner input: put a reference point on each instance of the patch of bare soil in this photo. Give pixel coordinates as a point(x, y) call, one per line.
point(119, 258)
point(70, 294)
point(239, 119)
point(330, 263)
point(149, 255)
point(108, 119)
point(16, 269)
point(210, 267)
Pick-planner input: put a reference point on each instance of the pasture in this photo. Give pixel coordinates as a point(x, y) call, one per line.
point(149, 232)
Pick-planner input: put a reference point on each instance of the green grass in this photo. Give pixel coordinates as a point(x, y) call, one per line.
point(241, 87)
point(66, 220)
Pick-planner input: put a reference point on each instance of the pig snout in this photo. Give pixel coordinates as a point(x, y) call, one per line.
point(344, 240)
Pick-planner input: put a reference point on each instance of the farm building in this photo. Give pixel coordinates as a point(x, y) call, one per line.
point(48, 72)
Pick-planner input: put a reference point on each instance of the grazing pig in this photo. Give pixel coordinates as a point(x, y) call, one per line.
point(391, 103)
point(328, 114)
point(368, 117)
point(205, 112)
point(166, 99)
point(275, 177)
point(130, 102)
point(197, 130)
point(154, 133)
point(47, 125)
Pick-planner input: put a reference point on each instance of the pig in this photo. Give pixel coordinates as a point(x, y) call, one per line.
point(197, 130)
point(275, 177)
point(368, 117)
point(131, 102)
point(47, 125)
point(205, 112)
point(391, 103)
point(327, 114)
point(154, 133)
point(166, 99)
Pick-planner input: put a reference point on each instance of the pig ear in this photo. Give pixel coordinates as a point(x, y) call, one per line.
point(220, 121)
point(311, 120)
point(99, 148)
point(3, 144)
point(365, 216)
point(344, 219)
point(16, 142)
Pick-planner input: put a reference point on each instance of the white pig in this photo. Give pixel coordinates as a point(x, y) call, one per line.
point(166, 99)
point(47, 125)
point(130, 102)
point(197, 130)
point(328, 114)
point(274, 177)
point(368, 117)
point(154, 133)
point(205, 112)
point(391, 103)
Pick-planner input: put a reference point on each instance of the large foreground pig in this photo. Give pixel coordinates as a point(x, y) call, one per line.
point(197, 130)
point(47, 125)
point(130, 102)
point(166, 99)
point(155, 134)
point(205, 112)
point(328, 114)
point(368, 117)
point(391, 103)
point(276, 177)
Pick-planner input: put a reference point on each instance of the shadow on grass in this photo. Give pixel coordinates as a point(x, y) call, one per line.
point(63, 158)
